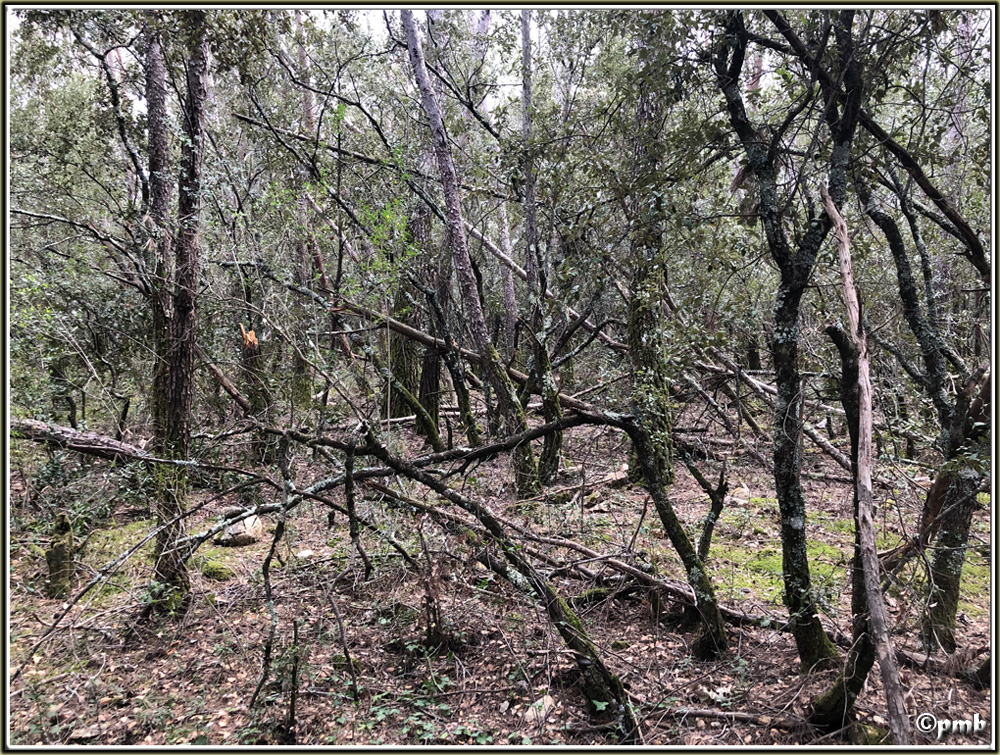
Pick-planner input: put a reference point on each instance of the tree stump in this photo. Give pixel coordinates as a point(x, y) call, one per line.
point(60, 558)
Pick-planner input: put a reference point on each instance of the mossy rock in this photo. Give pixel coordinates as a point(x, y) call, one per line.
point(866, 734)
point(563, 497)
point(216, 570)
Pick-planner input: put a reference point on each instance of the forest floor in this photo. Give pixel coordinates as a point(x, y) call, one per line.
point(190, 678)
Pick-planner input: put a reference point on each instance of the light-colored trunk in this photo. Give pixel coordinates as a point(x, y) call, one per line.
point(525, 469)
point(899, 723)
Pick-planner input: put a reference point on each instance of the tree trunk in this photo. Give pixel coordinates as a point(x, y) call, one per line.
point(182, 323)
point(301, 377)
point(815, 649)
point(651, 435)
point(160, 246)
point(170, 570)
point(258, 390)
point(795, 266)
point(536, 267)
point(949, 549)
point(525, 470)
point(404, 362)
point(830, 710)
point(899, 722)
point(955, 490)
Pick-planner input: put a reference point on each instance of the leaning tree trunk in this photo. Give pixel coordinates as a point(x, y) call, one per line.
point(525, 469)
point(599, 683)
point(899, 723)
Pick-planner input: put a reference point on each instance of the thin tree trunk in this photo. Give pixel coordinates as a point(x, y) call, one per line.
point(651, 433)
point(301, 378)
point(832, 708)
point(899, 722)
point(525, 469)
point(537, 273)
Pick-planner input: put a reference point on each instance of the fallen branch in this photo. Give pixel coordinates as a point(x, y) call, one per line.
point(225, 382)
point(733, 716)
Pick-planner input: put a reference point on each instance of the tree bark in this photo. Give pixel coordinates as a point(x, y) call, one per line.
point(160, 244)
point(795, 266)
point(525, 469)
point(182, 323)
point(956, 488)
point(899, 722)
point(170, 569)
point(831, 710)
point(301, 379)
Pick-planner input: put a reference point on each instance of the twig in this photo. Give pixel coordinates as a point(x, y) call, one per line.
point(343, 643)
point(279, 530)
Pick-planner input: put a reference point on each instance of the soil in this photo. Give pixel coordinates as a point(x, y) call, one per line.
point(190, 678)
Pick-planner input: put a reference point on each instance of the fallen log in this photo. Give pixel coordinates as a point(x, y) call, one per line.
point(80, 441)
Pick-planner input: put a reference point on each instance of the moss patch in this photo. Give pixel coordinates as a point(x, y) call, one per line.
point(758, 570)
point(975, 583)
point(104, 546)
point(216, 570)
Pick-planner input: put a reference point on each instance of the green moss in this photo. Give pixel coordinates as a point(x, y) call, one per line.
point(560, 498)
point(34, 549)
point(340, 662)
point(975, 583)
point(867, 734)
point(105, 545)
point(59, 558)
point(758, 570)
point(983, 498)
point(843, 525)
point(216, 570)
